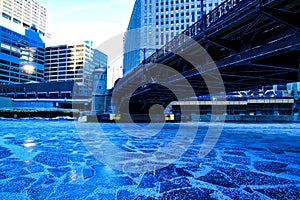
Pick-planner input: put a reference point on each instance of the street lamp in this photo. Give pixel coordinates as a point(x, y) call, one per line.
point(115, 70)
point(145, 51)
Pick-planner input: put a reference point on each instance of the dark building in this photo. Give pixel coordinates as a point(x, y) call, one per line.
point(47, 90)
point(46, 95)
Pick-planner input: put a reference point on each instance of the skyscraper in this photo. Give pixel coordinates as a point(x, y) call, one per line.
point(76, 62)
point(21, 55)
point(153, 23)
point(26, 13)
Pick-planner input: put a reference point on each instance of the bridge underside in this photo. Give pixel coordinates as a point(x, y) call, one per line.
point(252, 45)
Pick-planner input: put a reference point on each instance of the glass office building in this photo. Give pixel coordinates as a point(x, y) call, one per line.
point(21, 55)
point(76, 62)
point(153, 23)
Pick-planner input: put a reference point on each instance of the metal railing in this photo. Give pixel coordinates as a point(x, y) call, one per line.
point(200, 26)
point(209, 20)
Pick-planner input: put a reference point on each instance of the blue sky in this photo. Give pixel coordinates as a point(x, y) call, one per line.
point(78, 20)
point(74, 21)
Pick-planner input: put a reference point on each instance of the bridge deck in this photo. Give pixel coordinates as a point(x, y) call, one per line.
point(252, 43)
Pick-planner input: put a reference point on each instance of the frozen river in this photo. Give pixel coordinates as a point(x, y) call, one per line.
point(42, 159)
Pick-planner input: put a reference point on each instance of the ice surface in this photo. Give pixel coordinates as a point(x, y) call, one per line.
point(42, 159)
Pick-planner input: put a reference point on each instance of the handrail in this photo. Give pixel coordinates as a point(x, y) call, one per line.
point(207, 21)
point(201, 25)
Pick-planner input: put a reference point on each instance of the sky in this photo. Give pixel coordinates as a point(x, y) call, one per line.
point(100, 21)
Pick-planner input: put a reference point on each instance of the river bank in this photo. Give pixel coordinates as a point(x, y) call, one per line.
point(37, 113)
point(88, 117)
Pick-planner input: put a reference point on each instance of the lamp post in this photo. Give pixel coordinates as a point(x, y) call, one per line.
point(145, 51)
point(114, 70)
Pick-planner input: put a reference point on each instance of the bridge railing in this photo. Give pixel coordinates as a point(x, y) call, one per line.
point(201, 25)
point(220, 11)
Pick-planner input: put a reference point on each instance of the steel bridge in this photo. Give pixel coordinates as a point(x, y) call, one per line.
point(253, 43)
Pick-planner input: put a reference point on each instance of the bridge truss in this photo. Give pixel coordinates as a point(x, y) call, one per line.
point(252, 42)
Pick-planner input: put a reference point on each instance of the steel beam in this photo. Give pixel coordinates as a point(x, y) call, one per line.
point(231, 45)
point(290, 19)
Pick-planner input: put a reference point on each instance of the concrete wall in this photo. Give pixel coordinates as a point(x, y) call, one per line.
point(6, 102)
point(32, 104)
point(101, 104)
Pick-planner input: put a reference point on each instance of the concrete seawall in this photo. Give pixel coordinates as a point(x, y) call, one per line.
point(32, 113)
point(252, 118)
point(203, 118)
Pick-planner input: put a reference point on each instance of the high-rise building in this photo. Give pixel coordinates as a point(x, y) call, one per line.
point(153, 23)
point(27, 13)
point(75, 62)
point(21, 55)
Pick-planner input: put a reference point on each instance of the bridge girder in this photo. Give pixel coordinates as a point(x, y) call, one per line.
point(231, 45)
point(288, 18)
point(248, 52)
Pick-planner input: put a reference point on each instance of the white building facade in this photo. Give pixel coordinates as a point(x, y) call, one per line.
point(27, 13)
point(76, 62)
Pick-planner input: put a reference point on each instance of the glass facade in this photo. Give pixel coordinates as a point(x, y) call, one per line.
point(132, 40)
point(157, 22)
point(73, 63)
point(21, 56)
